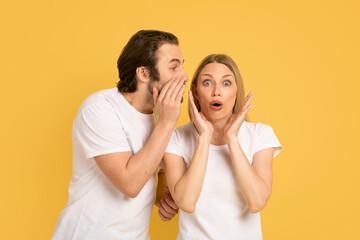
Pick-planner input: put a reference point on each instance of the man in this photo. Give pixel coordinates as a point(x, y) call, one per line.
point(117, 147)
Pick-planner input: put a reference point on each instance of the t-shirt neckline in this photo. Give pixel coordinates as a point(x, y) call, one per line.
point(131, 108)
point(216, 147)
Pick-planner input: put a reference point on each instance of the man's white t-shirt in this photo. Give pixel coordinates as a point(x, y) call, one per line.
point(219, 212)
point(105, 123)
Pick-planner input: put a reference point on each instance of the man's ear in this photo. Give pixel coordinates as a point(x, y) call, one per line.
point(142, 73)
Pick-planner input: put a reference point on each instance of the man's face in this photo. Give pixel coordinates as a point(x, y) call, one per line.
point(169, 65)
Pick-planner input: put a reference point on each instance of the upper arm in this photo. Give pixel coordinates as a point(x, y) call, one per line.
point(175, 168)
point(99, 131)
point(113, 165)
point(262, 164)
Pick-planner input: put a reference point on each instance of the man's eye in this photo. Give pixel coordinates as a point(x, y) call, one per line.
point(227, 83)
point(207, 83)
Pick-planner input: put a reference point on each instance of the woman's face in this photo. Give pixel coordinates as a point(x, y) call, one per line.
point(216, 91)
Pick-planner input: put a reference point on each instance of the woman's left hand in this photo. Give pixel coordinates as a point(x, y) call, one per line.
point(235, 121)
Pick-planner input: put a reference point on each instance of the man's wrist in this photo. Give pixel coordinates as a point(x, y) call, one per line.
point(170, 125)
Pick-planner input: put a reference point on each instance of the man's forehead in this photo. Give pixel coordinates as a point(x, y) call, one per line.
point(170, 53)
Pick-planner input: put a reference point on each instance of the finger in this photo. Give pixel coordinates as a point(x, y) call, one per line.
point(247, 99)
point(165, 88)
point(192, 102)
point(180, 93)
point(245, 111)
point(250, 94)
point(171, 203)
point(170, 89)
point(162, 217)
point(248, 108)
point(231, 118)
point(247, 102)
point(165, 213)
point(202, 116)
point(190, 107)
point(169, 209)
point(177, 89)
point(244, 107)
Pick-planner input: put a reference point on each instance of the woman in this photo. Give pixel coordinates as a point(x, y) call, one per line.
point(218, 166)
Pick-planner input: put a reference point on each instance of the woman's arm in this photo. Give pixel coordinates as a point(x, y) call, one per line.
point(255, 181)
point(185, 184)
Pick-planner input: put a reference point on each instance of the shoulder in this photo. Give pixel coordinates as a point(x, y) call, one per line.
point(185, 134)
point(97, 109)
point(103, 97)
point(186, 130)
point(263, 136)
point(256, 128)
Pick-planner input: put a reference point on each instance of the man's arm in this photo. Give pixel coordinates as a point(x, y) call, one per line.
point(129, 173)
point(164, 201)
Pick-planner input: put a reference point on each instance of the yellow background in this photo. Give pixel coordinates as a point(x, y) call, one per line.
point(300, 58)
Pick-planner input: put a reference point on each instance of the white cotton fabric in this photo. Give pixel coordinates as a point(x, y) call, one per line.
point(219, 209)
point(105, 123)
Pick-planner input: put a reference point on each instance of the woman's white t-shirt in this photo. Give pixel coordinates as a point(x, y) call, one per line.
point(219, 212)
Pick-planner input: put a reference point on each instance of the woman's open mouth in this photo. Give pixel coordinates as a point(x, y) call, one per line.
point(216, 105)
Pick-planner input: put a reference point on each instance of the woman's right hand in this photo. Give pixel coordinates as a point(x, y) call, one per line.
point(203, 126)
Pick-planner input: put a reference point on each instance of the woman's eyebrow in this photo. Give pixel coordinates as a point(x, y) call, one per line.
point(209, 75)
point(227, 75)
point(206, 74)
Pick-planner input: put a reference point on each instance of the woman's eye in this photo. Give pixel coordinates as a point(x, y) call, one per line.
point(227, 83)
point(207, 83)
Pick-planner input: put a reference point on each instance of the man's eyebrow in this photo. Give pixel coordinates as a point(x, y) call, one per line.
point(176, 60)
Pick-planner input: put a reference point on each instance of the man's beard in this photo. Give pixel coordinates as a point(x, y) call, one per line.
point(150, 93)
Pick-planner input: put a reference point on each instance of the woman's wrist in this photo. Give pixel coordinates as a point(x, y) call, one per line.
point(231, 139)
point(205, 137)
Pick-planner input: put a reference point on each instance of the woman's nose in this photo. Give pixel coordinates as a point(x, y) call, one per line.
point(216, 91)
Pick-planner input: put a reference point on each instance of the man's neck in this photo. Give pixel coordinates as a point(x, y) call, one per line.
point(142, 102)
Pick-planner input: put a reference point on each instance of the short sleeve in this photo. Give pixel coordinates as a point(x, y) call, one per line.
point(174, 145)
point(99, 130)
point(266, 138)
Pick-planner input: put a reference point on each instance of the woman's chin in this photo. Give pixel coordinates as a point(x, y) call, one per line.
point(217, 116)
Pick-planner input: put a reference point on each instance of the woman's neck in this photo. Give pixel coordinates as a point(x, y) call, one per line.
point(218, 134)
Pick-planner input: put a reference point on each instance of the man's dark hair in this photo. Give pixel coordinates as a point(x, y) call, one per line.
point(141, 51)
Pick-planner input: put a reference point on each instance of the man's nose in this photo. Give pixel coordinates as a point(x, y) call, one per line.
point(184, 76)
